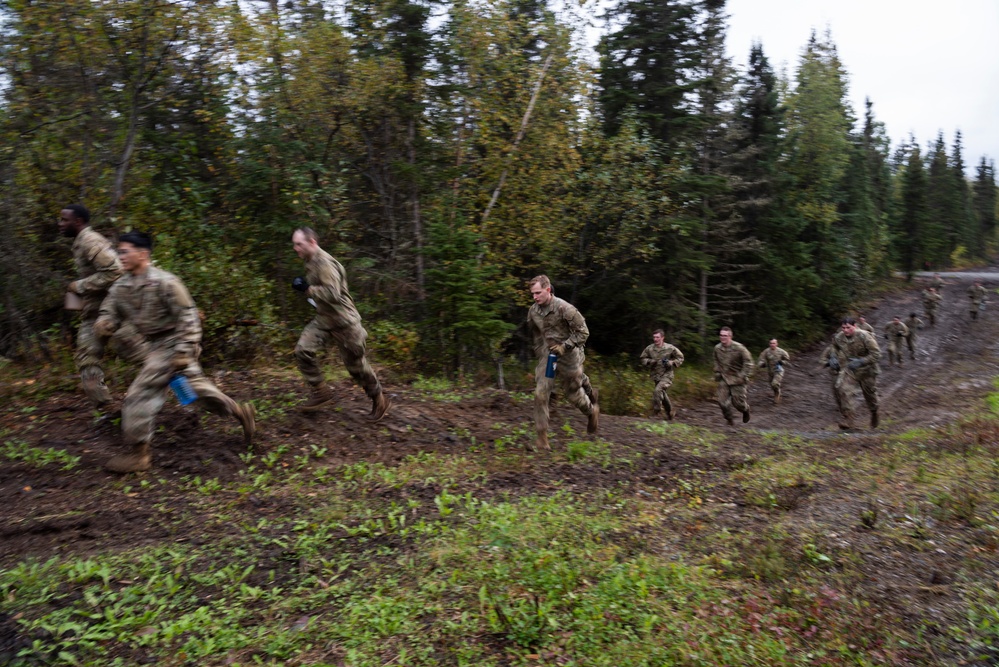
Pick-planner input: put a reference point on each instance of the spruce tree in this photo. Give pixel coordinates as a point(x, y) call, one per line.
point(984, 201)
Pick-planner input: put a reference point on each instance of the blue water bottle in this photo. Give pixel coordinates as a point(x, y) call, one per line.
point(552, 362)
point(183, 389)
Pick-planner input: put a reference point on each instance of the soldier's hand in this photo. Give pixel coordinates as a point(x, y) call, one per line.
point(299, 284)
point(104, 327)
point(72, 287)
point(855, 363)
point(833, 363)
point(185, 354)
point(558, 349)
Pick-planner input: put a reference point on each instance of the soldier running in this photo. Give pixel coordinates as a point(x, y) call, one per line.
point(733, 364)
point(661, 358)
point(558, 328)
point(931, 301)
point(912, 324)
point(158, 305)
point(774, 359)
point(337, 322)
point(854, 356)
point(977, 295)
point(895, 332)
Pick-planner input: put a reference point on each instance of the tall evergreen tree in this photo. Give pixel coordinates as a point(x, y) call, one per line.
point(912, 213)
point(985, 201)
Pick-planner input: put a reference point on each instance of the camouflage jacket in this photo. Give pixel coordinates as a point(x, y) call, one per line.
point(912, 324)
point(157, 304)
point(931, 299)
point(865, 326)
point(862, 346)
point(893, 330)
point(98, 266)
point(770, 358)
point(733, 364)
point(653, 358)
point(328, 288)
point(936, 283)
point(557, 322)
point(977, 294)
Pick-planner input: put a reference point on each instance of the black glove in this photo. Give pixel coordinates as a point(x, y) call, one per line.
point(833, 363)
point(666, 363)
point(778, 367)
point(855, 363)
point(300, 284)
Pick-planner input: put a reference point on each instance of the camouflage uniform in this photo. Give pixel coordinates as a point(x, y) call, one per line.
point(732, 365)
point(336, 322)
point(556, 323)
point(827, 354)
point(937, 283)
point(661, 362)
point(895, 332)
point(977, 295)
point(866, 326)
point(861, 349)
point(98, 266)
point(912, 323)
point(160, 308)
point(931, 301)
point(773, 361)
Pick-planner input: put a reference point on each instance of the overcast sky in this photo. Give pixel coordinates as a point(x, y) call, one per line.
point(928, 65)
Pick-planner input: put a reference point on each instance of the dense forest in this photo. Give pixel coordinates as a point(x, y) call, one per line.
point(447, 152)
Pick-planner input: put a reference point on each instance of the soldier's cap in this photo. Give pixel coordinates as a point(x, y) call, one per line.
point(138, 239)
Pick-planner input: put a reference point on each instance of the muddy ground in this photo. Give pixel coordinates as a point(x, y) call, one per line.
point(46, 511)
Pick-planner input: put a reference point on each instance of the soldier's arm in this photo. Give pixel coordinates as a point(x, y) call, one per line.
point(185, 314)
point(677, 357)
point(762, 361)
point(109, 317)
point(873, 352)
point(107, 268)
point(646, 358)
point(578, 333)
point(747, 363)
point(329, 287)
point(785, 357)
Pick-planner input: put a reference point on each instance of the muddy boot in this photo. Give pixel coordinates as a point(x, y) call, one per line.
point(247, 416)
point(777, 396)
point(95, 389)
point(729, 421)
point(540, 443)
point(745, 416)
point(846, 423)
point(137, 460)
point(670, 411)
point(319, 396)
point(380, 404)
point(875, 420)
point(593, 421)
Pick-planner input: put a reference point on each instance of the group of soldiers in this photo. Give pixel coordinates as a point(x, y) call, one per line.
point(148, 314)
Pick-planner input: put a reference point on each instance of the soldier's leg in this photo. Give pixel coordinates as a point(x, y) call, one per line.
point(89, 351)
point(570, 375)
point(724, 397)
point(775, 382)
point(662, 390)
point(314, 339)
point(590, 390)
point(352, 350)
point(869, 387)
point(910, 342)
point(740, 399)
point(129, 343)
point(543, 387)
point(846, 385)
point(214, 400)
point(143, 401)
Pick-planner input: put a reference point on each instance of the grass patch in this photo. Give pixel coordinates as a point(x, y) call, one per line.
point(38, 457)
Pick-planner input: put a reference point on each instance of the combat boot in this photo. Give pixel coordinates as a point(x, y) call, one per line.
point(541, 442)
point(777, 396)
point(671, 415)
point(875, 420)
point(246, 414)
point(139, 459)
point(593, 422)
point(846, 423)
point(593, 394)
point(319, 396)
point(380, 404)
point(95, 389)
point(745, 416)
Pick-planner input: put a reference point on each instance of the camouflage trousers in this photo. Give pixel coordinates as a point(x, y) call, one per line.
point(732, 396)
point(776, 379)
point(660, 399)
point(319, 335)
point(570, 376)
point(148, 393)
point(910, 341)
point(127, 342)
point(846, 386)
point(895, 349)
point(931, 314)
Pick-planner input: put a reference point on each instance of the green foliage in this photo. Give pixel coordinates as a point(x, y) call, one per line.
point(18, 450)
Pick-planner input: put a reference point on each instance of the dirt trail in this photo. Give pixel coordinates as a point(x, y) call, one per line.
point(955, 364)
